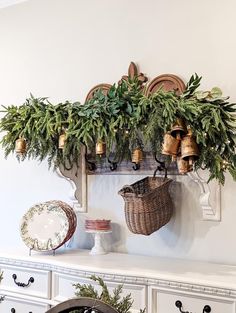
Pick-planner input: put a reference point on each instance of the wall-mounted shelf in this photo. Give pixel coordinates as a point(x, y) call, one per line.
point(104, 166)
point(209, 198)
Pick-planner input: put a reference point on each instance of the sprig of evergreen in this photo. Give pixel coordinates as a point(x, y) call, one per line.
point(192, 85)
point(40, 123)
point(114, 299)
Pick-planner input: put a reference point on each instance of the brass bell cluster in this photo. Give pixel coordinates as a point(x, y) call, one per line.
point(180, 143)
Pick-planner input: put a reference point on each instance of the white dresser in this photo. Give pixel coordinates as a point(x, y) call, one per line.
point(34, 283)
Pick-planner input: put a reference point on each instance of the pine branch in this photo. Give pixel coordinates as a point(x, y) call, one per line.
point(122, 305)
point(125, 117)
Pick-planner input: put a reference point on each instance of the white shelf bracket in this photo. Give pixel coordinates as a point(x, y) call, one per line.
point(78, 180)
point(210, 197)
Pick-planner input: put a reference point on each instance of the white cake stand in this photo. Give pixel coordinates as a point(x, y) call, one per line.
point(98, 247)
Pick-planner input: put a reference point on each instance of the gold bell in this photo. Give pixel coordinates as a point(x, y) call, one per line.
point(178, 129)
point(137, 156)
point(170, 145)
point(183, 166)
point(20, 146)
point(62, 141)
point(100, 148)
point(189, 148)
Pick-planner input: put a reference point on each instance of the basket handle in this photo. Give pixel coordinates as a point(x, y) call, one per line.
point(159, 168)
point(125, 189)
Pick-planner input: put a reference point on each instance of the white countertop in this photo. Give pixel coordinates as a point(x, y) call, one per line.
point(145, 267)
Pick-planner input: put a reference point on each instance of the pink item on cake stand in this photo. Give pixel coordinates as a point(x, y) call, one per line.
point(98, 228)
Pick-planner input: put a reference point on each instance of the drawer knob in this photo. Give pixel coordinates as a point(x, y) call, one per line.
point(179, 305)
point(30, 281)
point(14, 310)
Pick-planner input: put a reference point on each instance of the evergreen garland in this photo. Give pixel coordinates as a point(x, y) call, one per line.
point(212, 120)
point(122, 305)
point(125, 118)
point(40, 123)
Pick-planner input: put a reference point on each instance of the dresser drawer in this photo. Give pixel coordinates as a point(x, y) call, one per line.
point(16, 305)
point(26, 281)
point(63, 289)
point(163, 302)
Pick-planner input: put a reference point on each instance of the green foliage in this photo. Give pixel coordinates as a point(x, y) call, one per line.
point(192, 85)
point(125, 118)
point(41, 123)
point(211, 118)
point(122, 305)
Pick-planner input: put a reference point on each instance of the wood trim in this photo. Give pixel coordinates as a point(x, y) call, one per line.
point(83, 302)
point(168, 82)
point(103, 87)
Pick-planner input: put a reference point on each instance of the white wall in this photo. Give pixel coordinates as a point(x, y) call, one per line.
point(62, 48)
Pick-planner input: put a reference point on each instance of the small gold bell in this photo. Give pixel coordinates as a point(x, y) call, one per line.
point(137, 156)
point(20, 146)
point(62, 141)
point(178, 129)
point(183, 165)
point(189, 148)
point(100, 148)
point(170, 145)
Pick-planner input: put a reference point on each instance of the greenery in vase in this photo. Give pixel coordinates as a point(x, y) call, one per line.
point(126, 117)
point(114, 299)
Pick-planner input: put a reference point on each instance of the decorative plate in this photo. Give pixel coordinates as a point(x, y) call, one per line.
point(47, 226)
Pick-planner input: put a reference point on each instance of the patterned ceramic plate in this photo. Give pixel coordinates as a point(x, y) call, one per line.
point(45, 226)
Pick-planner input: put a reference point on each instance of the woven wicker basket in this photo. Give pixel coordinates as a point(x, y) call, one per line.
point(148, 205)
